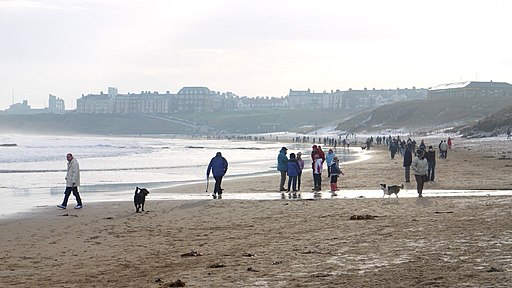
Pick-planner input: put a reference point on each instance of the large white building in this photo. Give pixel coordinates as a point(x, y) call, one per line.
point(470, 89)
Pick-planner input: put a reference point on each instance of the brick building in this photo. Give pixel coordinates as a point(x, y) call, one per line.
point(188, 99)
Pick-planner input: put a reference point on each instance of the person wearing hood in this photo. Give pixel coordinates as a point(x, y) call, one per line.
point(282, 166)
point(419, 167)
point(219, 166)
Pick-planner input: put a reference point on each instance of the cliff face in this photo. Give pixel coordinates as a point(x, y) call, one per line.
point(495, 124)
point(424, 115)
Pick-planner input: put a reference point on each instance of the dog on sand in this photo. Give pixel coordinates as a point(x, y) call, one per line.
point(392, 189)
point(139, 198)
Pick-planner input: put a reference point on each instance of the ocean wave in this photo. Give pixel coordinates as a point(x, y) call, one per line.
point(28, 171)
point(225, 148)
point(15, 171)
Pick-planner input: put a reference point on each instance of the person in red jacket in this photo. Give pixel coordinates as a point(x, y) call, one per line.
point(314, 152)
point(321, 153)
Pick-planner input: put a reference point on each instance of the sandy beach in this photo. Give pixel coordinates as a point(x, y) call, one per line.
point(408, 242)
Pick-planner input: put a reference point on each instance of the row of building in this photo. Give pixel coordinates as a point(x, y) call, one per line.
point(202, 99)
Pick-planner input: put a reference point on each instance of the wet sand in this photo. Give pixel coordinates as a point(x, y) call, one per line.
point(412, 242)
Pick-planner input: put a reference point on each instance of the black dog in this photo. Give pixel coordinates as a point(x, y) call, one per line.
point(140, 198)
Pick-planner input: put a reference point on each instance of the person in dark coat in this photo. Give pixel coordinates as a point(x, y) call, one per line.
point(393, 148)
point(282, 166)
point(423, 146)
point(407, 163)
point(219, 166)
point(431, 160)
point(293, 171)
point(301, 166)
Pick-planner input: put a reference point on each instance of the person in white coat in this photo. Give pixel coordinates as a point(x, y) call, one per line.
point(72, 182)
point(420, 167)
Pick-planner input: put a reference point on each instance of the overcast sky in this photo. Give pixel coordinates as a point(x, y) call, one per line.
point(251, 48)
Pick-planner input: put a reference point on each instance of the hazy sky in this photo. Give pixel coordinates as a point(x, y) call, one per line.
point(73, 47)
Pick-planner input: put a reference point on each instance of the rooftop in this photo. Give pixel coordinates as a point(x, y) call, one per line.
point(195, 90)
point(473, 84)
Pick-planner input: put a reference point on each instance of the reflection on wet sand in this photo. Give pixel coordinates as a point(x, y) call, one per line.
point(349, 194)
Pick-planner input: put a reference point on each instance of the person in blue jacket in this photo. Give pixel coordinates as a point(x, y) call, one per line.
point(282, 166)
point(219, 166)
point(328, 158)
point(293, 170)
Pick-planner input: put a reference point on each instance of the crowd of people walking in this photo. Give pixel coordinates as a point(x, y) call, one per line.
point(418, 159)
point(422, 161)
point(293, 167)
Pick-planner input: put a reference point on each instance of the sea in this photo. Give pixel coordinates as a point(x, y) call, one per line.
point(32, 172)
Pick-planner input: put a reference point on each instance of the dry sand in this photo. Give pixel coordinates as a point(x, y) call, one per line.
point(413, 242)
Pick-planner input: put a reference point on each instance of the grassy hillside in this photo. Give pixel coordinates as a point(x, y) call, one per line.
point(424, 115)
point(416, 115)
point(492, 125)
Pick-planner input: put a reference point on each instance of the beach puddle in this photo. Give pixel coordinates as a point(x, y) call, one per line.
point(43, 200)
point(342, 194)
